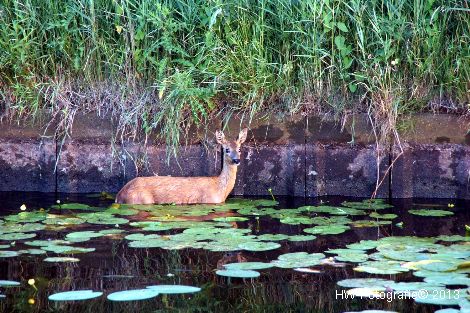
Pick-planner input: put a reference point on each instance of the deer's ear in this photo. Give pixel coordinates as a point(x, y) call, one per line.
point(242, 136)
point(220, 137)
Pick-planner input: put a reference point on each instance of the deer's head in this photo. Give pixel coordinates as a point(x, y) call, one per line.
point(231, 147)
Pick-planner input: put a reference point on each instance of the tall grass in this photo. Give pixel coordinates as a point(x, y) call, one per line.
point(169, 63)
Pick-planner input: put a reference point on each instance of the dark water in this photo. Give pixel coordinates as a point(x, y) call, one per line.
point(276, 290)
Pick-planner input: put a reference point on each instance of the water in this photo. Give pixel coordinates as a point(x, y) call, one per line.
point(115, 266)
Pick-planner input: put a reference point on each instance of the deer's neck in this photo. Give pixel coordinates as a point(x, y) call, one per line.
point(227, 177)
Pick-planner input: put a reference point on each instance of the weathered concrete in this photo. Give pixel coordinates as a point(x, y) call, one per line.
point(299, 156)
point(27, 158)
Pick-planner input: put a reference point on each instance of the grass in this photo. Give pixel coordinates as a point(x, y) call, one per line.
point(168, 64)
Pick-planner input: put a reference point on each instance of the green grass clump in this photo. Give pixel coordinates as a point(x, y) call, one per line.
point(167, 64)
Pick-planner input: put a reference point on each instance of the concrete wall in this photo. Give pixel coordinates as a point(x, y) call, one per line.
point(300, 156)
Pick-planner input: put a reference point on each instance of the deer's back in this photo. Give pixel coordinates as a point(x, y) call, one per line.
point(167, 189)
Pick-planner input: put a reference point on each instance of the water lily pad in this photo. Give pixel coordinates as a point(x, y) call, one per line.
point(364, 282)
point(16, 236)
point(174, 289)
point(388, 216)
point(111, 231)
point(67, 249)
point(370, 223)
point(9, 283)
point(433, 213)
point(42, 243)
point(272, 237)
point(21, 228)
point(248, 266)
point(447, 279)
point(133, 295)
point(8, 254)
point(60, 259)
point(229, 219)
point(296, 220)
point(327, 230)
point(72, 206)
point(27, 217)
point(439, 266)
point(60, 220)
point(121, 211)
point(259, 246)
point(238, 273)
point(364, 245)
point(381, 267)
point(83, 234)
point(4, 246)
point(76, 295)
point(138, 236)
point(32, 251)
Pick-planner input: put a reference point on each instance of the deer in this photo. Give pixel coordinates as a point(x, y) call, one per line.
point(188, 190)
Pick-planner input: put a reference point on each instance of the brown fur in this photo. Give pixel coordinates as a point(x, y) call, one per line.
point(187, 190)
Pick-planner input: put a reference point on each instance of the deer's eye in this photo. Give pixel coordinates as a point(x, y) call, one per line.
point(227, 150)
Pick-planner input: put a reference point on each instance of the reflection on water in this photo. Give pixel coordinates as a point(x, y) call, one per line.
point(114, 266)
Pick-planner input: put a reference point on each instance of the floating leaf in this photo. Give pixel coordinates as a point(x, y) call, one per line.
point(139, 236)
point(296, 220)
point(364, 282)
point(61, 259)
point(21, 228)
point(389, 216)
point(16, 236)
point(83, 235)
point(272, 237)
point(327, 230)
point(238, 273)
point(248, 266)
point(174, 289)
point(229, 219)
point(133, 295)
point(442, 297)
point(32, 251)
point(259, 246)
point(433, 213)
point(27, 217)
point(42, 243)
point(76, 295)
point(9, 283)
point(72, 206)
point(8, 254)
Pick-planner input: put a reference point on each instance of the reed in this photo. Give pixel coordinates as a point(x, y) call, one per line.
point(167, 64)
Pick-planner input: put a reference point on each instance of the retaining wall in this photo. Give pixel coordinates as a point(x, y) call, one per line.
point(300, 157)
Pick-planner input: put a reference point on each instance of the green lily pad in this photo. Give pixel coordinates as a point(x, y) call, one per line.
point(439, 267)
point(42, 243)
point(238, 273)
point(370, 223)
point(301, 237)
point(229, 219)
point(83, 234)
point(60, 259)
point(72, 206)
point(247, 266)
point(447, 279)
point(32, 251)
point(414, 286)
point(76, 295)
point(364, 282)
point(259, 246)
point(453, 238)
point(8, 254)
point(16, 236)
point(272, 237)
point(4, 246)
point(121, 211)
point(67, 249)
point(327, 230)
point(174, 289)
point(9, 283)
point(433, 213)
point(364, 245)
point(102, 218)
point(63, 221)
point(296, 220)
point(27, 217)
point(139, 236)
point(133, 295)
point(21, 228)
point(388, 216)
point(111, 231)
point(381, 267)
